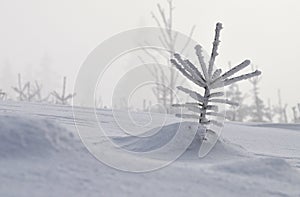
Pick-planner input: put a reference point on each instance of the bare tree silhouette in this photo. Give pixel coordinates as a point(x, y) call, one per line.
point(164, 90)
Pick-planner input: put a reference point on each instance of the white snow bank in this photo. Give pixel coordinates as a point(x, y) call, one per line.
point(268, 167)
point(228, 170)
point(22, 136)
point(223, 149)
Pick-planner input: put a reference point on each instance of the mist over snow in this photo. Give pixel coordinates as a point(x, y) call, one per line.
point(140, 98)
point(64, 32)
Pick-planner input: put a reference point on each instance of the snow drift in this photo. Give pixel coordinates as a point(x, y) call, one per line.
point(40, 158)
point(223, 149)
point(21, 136)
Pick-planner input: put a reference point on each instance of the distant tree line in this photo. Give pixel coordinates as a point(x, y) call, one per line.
point(257, 110)
point(32, 92)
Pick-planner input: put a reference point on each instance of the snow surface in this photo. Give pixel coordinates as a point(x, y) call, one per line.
point(41, 155)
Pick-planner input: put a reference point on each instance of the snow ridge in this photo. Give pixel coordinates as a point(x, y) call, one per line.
point(22, 136)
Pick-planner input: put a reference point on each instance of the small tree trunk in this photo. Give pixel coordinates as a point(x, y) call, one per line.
point(204, 107)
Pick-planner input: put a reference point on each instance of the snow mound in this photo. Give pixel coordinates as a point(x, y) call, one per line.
point(257, 167)
point(223, 149)
point(271, 168)
point(22, 136)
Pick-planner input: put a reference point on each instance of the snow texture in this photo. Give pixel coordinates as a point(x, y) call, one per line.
point(41, 155)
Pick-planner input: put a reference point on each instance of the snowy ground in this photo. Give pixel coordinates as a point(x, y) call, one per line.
point(41, 155)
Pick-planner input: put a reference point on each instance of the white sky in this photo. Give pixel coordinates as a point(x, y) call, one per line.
point(266, 32)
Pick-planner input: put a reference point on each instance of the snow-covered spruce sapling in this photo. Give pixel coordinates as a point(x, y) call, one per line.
point(210, 79)
point(29, 92)
point(21, 89)
point(25, 92)
point(3, 95)
point(39, 97)
point(63, 98)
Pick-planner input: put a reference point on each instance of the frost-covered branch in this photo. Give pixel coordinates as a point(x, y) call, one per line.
point(188, 116)
point(185, 73)
point(224, 101)
point(236, 69)
point(190, 68)
point(199, 54)
point(214, 52)
point(192, 94)
point(242, 77)
point(216, 94)
point(216, 74)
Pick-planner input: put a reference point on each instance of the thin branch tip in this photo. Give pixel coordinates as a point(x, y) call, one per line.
point(219, 26)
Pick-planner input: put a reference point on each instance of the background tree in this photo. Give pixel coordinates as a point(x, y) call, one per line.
point(236, 113)
point(269, 112)
point(280, 109)
point(38, 90)
point(7, 77)
point(3, 95)
point(258, 107)
point(296, 114)
point(63, 98)
point(24, 91)
point(165, 81)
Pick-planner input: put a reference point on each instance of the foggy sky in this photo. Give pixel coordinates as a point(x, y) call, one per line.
point(65, 31)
